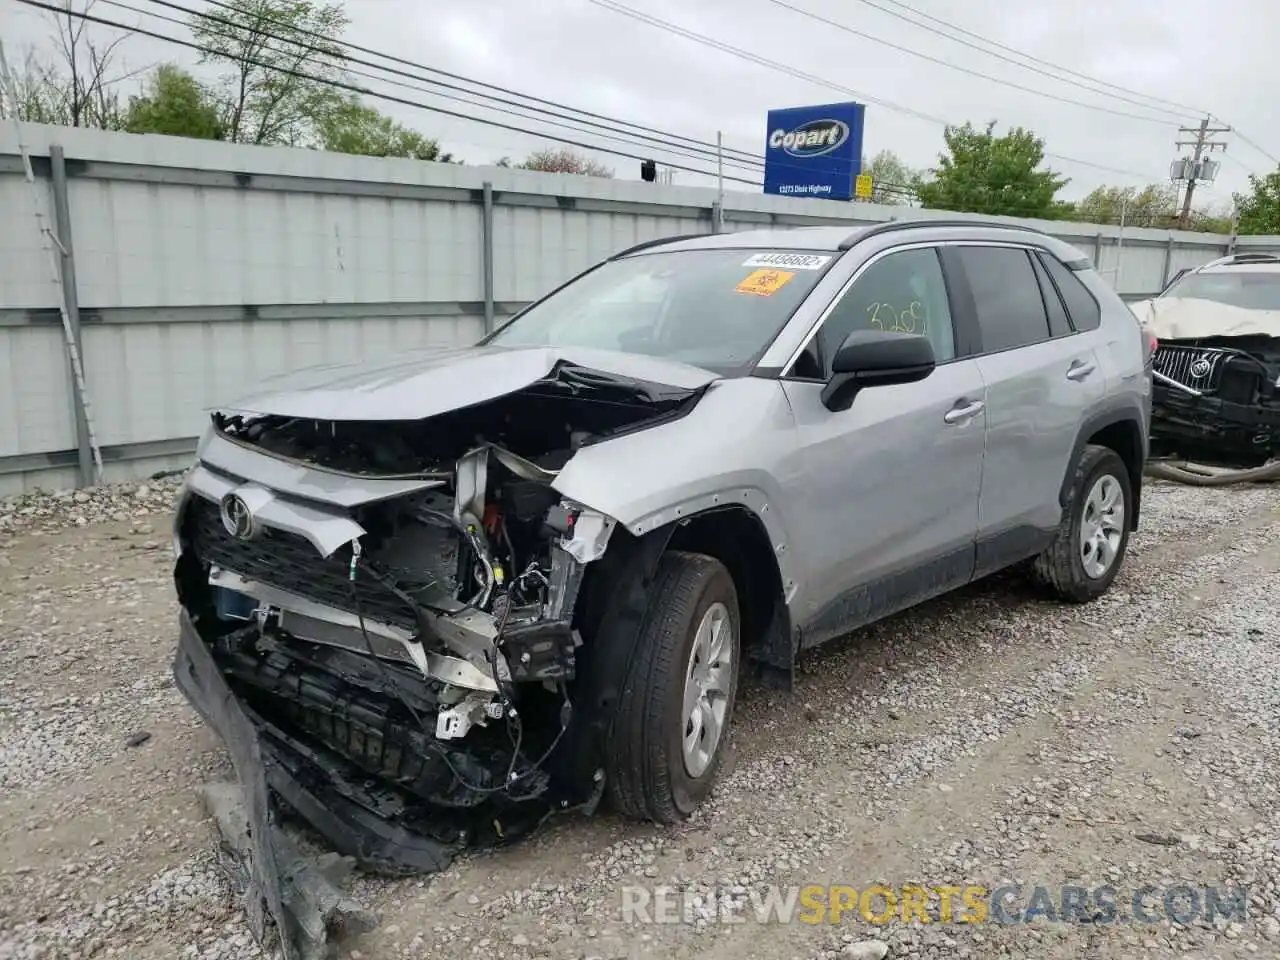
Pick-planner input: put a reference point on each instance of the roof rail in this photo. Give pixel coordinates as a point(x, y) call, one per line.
point(645, 245)
point(1241, 258)
point(1261, 257)
point(891, 225)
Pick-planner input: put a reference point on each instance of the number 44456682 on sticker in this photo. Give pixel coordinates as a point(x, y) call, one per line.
point(764, 283)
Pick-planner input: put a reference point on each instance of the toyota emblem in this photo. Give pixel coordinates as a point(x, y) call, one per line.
point(237, 518)
point(1200, 367)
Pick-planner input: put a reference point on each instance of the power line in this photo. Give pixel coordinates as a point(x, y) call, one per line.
point(504, 91)
point(353, 88)
point(903, 188)
point(624, 137)
point(820, 81)
point(1240, 163)
point(1082, 78)
point(761, 61)
point(662, 137)
point(751, 162)
point(1182, 107)
point(955, 66)
point(1245, 140)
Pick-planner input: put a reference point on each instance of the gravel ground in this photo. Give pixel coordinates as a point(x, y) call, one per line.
point(987, 738)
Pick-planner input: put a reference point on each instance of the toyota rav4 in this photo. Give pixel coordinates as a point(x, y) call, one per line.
point(428, 600)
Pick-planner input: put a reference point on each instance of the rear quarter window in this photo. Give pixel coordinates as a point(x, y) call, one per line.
point(1081, 306)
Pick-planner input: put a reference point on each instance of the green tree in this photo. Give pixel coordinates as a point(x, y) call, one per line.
point(352, 127)
point(999, 176)
point(564, 160)
point(280, 56)
point(1152, 206)
point(1259, 209)
point(174, 104)
point(1212, 221)
point(891, 179)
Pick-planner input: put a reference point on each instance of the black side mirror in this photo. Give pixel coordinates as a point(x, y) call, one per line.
point(876, 358)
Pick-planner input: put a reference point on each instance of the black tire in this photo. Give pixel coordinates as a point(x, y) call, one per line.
point(1061, 567)
point(645, 769)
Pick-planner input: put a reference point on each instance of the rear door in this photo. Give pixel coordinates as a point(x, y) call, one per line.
point(1041, 378)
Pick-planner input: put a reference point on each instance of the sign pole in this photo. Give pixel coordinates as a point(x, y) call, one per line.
point(719, 180)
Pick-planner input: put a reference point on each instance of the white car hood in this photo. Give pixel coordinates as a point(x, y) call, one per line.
point(1173, 318)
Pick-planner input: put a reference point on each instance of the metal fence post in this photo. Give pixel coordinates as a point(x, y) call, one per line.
point(487, 243)
point(1097, 252)
point(71, 301)
point(1168, 262)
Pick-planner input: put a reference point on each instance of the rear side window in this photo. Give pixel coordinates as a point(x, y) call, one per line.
point(1083, 309)
point(1059, 325)
point(1006, 295)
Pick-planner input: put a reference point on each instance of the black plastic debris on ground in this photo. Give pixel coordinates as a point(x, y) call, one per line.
point(294, 901)
point(311, 887)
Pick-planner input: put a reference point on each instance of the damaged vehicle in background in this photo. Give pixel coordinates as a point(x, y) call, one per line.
point(428, 601)
point(1216, 397)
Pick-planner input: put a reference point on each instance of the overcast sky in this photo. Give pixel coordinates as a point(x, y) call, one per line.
point(1220, 58)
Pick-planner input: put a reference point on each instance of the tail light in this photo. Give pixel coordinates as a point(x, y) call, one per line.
point(1151, 342)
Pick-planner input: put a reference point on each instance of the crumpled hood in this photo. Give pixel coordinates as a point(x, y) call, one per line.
point(425, 383)
point(1174, 318)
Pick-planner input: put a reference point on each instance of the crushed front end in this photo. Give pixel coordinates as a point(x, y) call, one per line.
point(378, 617)
point(1216, 400)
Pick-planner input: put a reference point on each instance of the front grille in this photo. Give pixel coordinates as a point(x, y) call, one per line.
point(289, 562)
point(1197, 367)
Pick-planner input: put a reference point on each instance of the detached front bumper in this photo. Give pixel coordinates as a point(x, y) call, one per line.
point(319, 787)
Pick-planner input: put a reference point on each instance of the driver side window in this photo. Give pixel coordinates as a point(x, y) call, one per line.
point(901, 292)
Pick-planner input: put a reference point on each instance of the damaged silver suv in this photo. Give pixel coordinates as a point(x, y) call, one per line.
point(428, 601)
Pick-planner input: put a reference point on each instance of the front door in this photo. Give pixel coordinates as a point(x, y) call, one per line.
point(886, 492)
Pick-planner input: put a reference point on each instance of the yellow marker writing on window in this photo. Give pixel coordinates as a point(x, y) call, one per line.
point(764, 283)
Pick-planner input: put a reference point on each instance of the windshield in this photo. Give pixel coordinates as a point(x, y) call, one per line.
point(715, 309)
point(1250, 290)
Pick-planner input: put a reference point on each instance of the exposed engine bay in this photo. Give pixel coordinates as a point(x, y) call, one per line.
point(393, 607)
point(1216, 395)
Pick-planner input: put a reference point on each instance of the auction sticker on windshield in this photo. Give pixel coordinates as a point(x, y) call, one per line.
point(789, 261)
point(764, 283)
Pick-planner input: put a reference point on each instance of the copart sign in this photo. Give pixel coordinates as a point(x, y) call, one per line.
point(814, 151)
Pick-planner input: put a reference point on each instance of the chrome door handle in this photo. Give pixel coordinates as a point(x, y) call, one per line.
point(1080, 369)
point(966, 412)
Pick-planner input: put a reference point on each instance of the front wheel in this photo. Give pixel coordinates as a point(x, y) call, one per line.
point(1090, 545)
point(667, 740)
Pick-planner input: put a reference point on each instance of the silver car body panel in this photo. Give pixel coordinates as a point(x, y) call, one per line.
point(862, 514)
point(731, 448)
point(423, 384)
point(326, 530)
point(302, 481)
point(766, 443)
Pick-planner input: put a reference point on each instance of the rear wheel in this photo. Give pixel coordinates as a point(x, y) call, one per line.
point(668, 737)
point(1090, 545)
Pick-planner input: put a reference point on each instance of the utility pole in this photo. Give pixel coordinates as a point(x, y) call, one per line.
point(1198, 168)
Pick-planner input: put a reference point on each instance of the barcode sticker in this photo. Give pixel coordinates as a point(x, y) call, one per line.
point(788, 261)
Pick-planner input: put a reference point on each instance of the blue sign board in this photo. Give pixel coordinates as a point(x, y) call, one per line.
point(814, 151)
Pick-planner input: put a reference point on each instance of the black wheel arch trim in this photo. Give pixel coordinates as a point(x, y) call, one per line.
point(1123, 413)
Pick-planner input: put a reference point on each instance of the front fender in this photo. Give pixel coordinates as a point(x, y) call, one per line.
point(730, 450)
